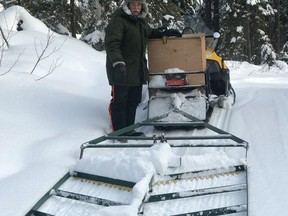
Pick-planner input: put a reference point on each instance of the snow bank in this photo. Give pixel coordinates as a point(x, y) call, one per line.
point(14, 15)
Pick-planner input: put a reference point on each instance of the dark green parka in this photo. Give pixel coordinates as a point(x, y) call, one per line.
point(125, 41)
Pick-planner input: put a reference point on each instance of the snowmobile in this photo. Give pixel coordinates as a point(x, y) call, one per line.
point(183, 172)
point(186, 73)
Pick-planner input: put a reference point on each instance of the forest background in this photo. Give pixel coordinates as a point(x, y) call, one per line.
point(255, 31)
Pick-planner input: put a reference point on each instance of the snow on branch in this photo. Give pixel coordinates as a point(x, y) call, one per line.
point(268, 54)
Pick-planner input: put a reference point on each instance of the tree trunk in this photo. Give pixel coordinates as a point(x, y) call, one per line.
point(285, 5)
point(248, 36)
point(72, 10)
point(276, 35)
point(208, 14)
point(216, 16)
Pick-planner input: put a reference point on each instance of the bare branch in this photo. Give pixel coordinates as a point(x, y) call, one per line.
point(52, 68)
point(3, 36)
point(1, 54)
point(18, 57)
point(44, 55)
point(9, 33)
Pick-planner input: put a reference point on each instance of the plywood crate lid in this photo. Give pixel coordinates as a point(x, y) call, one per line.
point(186, 53)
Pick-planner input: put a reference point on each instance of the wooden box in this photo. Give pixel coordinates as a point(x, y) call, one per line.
point(185, 53)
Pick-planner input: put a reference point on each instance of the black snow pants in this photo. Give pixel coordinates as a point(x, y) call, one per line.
point(123, 105)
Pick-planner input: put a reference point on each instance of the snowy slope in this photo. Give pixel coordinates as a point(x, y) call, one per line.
point(260, 117)
point(43, 123)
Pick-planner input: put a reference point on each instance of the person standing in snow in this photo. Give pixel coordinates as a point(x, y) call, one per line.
point(126, 64)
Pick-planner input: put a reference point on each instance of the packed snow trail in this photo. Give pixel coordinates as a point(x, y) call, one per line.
point(266, 106)
point(30, 128)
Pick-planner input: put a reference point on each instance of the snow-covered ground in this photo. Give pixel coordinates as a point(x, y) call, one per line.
point(44, 121)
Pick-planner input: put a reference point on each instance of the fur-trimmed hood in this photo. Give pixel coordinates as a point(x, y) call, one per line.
point(143, 13)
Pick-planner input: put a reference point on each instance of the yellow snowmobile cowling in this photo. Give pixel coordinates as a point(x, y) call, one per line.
point(213, 56)
point(218, 73)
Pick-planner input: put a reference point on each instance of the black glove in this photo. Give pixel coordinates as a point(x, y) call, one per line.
point(163, 31)
point(157, 33)
point(173, 32)
point(120, 72)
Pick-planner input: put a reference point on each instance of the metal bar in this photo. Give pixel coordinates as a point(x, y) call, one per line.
point(119, 145)
point(85, 198)
point(125, 130)
point(184, 87)
point(247, 182)
point(211, 127)
point(234, 138)
point(180, 72)
point(118, 135)
point(47, 195)
point(221, 136)
point(103, 179)
point(175, 124)
point(217, 211)
point(195, 193)
point(177, 176)
point(37, 213)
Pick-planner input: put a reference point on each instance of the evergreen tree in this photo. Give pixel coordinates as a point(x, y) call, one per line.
point(95, 26)
point(284, 52)
point(96, 14)
point(284, 21)
point(268, 55)
point(207, 15)
point(260, 14)
point(56, 14)
point(91, 10)
point(233, 29)
point(249, 29)
point(284, 29)
point(164, 14)
point(245, 29)
point(95, 20)
point(275, 26)
point(7, 3)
